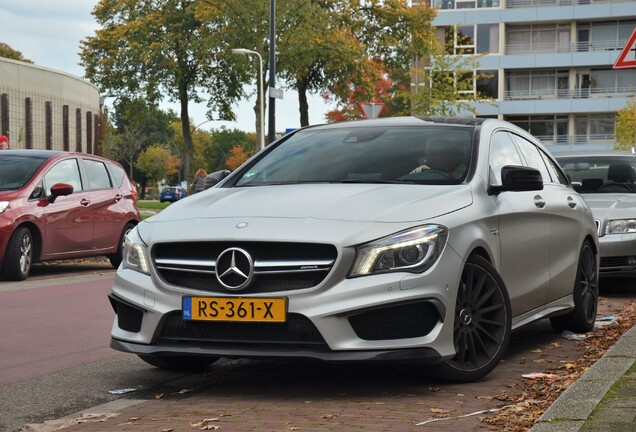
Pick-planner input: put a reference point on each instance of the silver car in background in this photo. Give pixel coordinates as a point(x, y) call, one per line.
point(398, 239)
point(607, 180)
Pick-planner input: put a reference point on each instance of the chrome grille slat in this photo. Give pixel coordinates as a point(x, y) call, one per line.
point(278, 266)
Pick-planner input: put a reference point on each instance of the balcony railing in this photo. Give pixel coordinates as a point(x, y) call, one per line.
point(549, 140)
point(608, 92)
point(557, 47)
point(511, 4)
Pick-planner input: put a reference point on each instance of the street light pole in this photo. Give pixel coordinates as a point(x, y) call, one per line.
point(261, 95)
point(272, 71)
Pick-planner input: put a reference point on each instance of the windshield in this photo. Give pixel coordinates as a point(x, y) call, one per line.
point(16, 171)
point(388, 154)
point(601, 174)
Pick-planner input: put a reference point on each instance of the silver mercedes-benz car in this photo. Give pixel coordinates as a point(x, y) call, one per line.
point(607, 180)
point(398, 239)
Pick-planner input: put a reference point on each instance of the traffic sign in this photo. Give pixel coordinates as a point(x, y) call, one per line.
point(371, 109)
point(627, 58)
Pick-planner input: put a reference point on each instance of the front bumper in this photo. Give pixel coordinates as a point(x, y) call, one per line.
point(388, 317)
point(618, 254)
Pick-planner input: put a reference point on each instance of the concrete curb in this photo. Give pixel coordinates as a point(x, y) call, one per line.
point(576, 404)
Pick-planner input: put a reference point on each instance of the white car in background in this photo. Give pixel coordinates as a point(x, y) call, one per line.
point(397, 239)
point(607, 180)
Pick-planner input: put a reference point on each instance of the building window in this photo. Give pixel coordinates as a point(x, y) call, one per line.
point(488, 83)
point(536, 84)
point(538, 38)
point(594, 128)
point(471, 39)
point(550, 129)
point(604, 36)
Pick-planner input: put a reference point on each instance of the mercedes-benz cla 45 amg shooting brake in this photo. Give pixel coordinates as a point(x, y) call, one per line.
point(401, 239)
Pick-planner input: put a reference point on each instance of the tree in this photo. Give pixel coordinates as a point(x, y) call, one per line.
point(7, 52)
point(237, 156)
point(626, 126)
point(157, 49)
point(158, 163)
point(217, 150)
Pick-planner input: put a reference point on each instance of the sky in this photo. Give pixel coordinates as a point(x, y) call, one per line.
point(49, 32)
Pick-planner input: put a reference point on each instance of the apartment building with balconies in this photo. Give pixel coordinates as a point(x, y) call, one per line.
point(549, 63)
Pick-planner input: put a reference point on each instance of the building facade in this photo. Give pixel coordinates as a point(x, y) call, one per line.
point(42, 108)
point(548, 62)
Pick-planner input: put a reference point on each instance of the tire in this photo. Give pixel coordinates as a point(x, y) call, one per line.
point(19, 255)
point(586, 290)
point(116, 259)
point(482, 323)
point(179, 363)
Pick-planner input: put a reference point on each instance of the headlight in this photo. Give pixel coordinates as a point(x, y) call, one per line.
point(135, 253)
point(621, 226)
point(414, 250)
point(3, 206)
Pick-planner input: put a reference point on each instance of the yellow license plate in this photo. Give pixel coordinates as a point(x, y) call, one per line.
point(235, 309)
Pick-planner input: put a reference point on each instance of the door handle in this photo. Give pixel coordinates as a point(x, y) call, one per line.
point(85, 202)
point(571, 202)
point(539, 201)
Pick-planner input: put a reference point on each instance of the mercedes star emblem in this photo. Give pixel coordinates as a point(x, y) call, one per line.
point(234, 269)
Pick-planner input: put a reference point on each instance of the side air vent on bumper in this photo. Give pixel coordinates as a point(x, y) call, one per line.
point(402, 321)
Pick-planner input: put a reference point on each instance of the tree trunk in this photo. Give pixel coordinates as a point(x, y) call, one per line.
point(187, 135)
point(303, 105)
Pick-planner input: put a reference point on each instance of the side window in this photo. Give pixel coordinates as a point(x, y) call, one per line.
point(118, 174)
point(97, 174)
point(66, 171)
point(532, 156)
point(555, 170)
point(502, 152)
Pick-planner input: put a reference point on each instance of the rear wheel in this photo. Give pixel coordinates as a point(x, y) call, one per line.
point(482, 323)
point(179, 363)
point(116, 259)
point(19, 256)
point(581, 318)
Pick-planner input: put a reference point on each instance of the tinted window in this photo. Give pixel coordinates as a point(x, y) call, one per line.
point(66, 171)
point(420, 155)
point(16, 171)
point(532, 156)
point(555, 170)
point(502, 152)
point(97, 174)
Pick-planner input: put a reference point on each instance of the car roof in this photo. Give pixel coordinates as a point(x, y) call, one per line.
point(405, 121)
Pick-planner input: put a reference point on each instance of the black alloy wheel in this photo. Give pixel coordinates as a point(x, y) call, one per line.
point(482, 323)
point(586, 291)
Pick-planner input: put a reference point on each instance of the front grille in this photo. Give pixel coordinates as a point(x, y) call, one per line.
point(615, 262)
point(278, 266)
point(297, 331)
point(401, 321)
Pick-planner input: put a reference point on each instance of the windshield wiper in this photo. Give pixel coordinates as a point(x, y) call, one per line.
point(353, 180)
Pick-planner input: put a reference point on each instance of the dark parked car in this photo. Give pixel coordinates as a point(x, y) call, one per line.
point(607, 180)
point(59, 205)
point(172, 194)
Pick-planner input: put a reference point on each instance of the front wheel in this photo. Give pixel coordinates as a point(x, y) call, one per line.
point(179, 363)
point(482, 323)
point(19, 256)
point(117, 257)
point(581, 318)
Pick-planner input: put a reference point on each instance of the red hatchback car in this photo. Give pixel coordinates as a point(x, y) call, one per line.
point(59, 205)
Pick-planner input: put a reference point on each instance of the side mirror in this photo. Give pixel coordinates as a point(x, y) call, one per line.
point(214, 178)
point(518, 179)
point(60, 189)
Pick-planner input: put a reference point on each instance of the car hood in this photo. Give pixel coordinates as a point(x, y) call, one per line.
point(611, 206)
point(324, 210)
